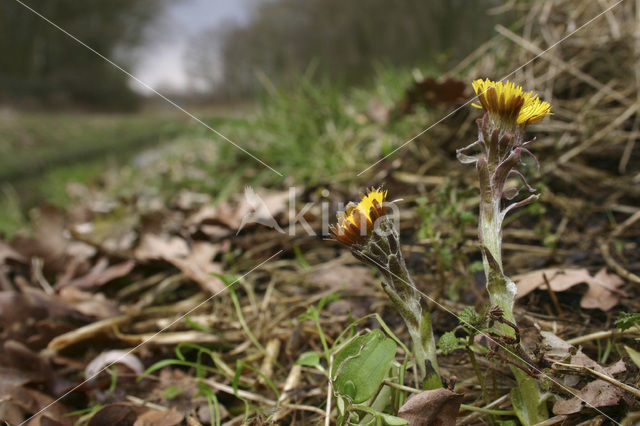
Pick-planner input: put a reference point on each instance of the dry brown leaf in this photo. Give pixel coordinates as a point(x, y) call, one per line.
point(331, 275)
point(154, 247)
point(595, 394)
point(90, 304)
point(603, 292)
point(48, 242)
point(16, 307)
point(6, 253)
point(159, 418)
point(31, 401)
point(195, 261)
point(188, 200)
point(121, 414)
point(438, 407)
point(20, 357)
point(100, 274)
point(198, 266)
point(260, 206)
point(584, 361)
point(555, 348)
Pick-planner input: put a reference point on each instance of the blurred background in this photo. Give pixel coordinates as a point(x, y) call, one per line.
point(217, 50)
point(67, 115)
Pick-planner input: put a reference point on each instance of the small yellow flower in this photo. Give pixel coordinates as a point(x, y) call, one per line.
point(357, 220)
point(509, 103)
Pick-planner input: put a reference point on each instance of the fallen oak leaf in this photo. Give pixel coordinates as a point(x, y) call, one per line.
point(438, 407)
point(603, 292)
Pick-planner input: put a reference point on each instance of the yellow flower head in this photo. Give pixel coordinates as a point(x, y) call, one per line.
point(509, 103)
point(357, 220)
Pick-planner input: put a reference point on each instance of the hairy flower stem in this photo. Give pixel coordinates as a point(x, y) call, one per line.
point(419, 327)
point(502, 145)
point(527, 396)
point(382, 250)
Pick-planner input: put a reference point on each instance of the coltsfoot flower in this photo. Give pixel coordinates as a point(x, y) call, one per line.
point(358, 220)
point(508, 109)
point(508, 103)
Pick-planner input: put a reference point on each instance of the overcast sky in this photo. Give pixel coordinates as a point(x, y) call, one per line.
point(161, 60)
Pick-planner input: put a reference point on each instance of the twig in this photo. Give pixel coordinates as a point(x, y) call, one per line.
point(604, 249)
point(633, 108)
point(553, 296)
point(553, 420)
point(259, 398)
point(601, 335)
point(471, 417)
point(293, 380)
point(633, 391)
point(627, 223)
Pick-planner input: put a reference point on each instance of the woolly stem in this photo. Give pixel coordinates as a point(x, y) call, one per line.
point(526, 398)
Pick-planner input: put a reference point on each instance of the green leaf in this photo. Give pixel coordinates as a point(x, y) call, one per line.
point(172, 391)
point(340, 404)
point(634, 355)
point(627, 320)
point(309, 359)
point(360, 367)
point(448, 343)
point(196, 326)
point(393, 420)
point(470, 318)
point(476, 267)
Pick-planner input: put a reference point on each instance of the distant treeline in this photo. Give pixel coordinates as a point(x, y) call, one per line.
point(40, 65)
point(345, 40)
point(342, 40)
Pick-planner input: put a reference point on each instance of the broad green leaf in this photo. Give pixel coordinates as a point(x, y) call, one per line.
point(360, 367)
point(309, 359)
point(634, 355)
point(393, 420)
